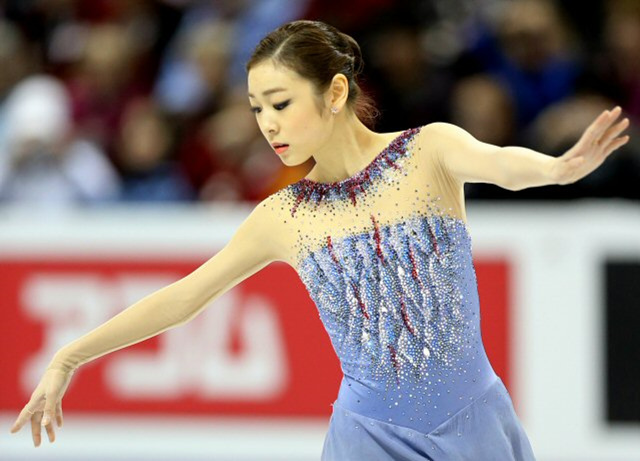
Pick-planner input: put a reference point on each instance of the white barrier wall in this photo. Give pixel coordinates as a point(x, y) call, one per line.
point(555, 256)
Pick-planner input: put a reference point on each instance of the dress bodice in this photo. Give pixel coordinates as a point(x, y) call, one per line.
point(386, 257)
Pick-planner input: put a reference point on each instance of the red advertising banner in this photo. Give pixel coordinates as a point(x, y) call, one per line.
point(258, 350)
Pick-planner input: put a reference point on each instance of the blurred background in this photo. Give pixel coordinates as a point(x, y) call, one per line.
point(128, 156)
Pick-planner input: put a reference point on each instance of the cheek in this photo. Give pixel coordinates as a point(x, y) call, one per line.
point(308, 121)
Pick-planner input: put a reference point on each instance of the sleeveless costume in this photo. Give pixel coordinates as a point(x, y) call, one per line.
point(386, 257)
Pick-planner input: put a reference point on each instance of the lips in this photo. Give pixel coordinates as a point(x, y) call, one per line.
point(280, 147)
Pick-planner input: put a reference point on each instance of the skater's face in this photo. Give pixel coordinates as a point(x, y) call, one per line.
point(289, 111)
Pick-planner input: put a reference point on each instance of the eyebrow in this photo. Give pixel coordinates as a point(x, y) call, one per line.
point(268, 92)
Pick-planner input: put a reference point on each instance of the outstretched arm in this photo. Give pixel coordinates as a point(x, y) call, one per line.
point(253, 246)
point(516, 168)
point(248, 251)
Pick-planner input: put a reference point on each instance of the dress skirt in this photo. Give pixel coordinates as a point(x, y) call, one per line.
point(486, 429)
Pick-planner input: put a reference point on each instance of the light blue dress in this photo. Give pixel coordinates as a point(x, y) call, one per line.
point(387, 260)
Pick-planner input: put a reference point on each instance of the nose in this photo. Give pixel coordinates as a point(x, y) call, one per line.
point(269, 125)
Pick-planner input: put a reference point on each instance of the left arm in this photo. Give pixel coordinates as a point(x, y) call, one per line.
point(516, 168)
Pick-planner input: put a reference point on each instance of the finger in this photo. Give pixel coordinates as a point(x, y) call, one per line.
point(50, 432)
point(616, 144)
point(36, 429)
point(59, 418)
point(601, 124)
point(614, 114)
point(614, 131)
point(595, 129)
point(49, 410)
point(24, 416)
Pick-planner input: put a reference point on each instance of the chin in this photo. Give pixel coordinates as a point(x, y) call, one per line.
point(291, 162)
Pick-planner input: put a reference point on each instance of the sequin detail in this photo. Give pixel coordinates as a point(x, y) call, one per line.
point(387, 261)
point(383, 314)
point(307, 190)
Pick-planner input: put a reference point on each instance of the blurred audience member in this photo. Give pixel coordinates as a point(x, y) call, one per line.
point(529, 49)
point(208, 52)
point(193, 80)
point(158, 103)
point(480, 105)
point(145, 154)
point(17, 60)
point(40, 159)
point(408, 88)
point(361, 13)
point(617, 65)
point(242, 160)
point(104, 81)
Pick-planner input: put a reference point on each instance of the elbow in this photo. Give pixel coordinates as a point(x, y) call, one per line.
point(186, 301)
point(194, 307)
point(507, 180)
point(186, 312)
point(514, 186)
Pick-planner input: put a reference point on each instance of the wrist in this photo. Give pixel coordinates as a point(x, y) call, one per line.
point(553, 171)
point(61, 362)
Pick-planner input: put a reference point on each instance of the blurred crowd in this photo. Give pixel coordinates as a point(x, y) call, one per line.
point(106, 101)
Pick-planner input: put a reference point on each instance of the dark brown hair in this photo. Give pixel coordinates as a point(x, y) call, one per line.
point(317, 51)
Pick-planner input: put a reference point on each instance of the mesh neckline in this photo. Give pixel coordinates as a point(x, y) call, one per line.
point(307, 189)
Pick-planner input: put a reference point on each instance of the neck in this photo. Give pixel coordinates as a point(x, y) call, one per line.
point(349, 149)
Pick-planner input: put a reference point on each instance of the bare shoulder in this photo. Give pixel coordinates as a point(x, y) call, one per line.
point(265, 229)
point(431, 140)
point(441, 133)
point(446, 143)
point(255, 243)
point(443, 146)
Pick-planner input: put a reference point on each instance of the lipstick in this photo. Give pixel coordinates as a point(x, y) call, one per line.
point(280, 148)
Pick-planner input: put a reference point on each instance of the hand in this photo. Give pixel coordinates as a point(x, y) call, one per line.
point(45, 403)
point(597, 142)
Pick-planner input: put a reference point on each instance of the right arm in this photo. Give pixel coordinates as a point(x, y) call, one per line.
point(251, 248)
point(255, 244)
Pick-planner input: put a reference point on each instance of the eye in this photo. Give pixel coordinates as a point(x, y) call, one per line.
point(282, 105)
point(279, 106)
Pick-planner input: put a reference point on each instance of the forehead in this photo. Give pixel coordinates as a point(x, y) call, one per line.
point(267, 75)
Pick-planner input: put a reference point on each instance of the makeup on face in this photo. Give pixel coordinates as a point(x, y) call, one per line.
point(281, 148)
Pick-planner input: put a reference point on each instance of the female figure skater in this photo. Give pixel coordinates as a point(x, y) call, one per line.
point(377, 233)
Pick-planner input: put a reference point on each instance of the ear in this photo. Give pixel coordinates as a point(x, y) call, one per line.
point(338, 91)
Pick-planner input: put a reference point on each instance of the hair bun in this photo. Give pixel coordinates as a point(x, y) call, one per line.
point(355, 52)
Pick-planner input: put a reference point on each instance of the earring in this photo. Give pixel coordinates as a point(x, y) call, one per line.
point(334, 110)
